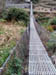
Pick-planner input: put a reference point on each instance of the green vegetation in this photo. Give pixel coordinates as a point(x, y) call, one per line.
point(35, 1)
point(52, 43)
point(1, 30)
point(16, 15)
point(2, 20)
point(21, 31)
point(14, 67)
point(9, 34)
point(5, 51)
point(53, 21)
point(43, 20)
point(12, 24)
point(47, 20)
point(49, 28)
point(48, 23)
point(21, 23)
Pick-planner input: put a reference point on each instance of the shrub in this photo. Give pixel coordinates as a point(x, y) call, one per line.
point(35, 1)
point(2, 20)
point(14, 66)
point(16, 14)
point(4, 14)
point(21, 32)
point(1, 30)
point(5, 51)
point(49, 28)
point(21, 23)
point(51, 46)
point(43, 18)
point(53, 22)
point(52, 42)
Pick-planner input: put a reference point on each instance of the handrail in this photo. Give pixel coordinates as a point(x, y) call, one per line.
point(39, 61)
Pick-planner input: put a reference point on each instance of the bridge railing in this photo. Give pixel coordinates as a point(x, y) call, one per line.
point(39, 61)
point(21, 50)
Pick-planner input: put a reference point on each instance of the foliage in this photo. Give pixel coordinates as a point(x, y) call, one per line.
point(4, 14)
point(43, 18)
point(21, 23)
point(8, 38)
point(16, 14)
point(15, 67)
point(5, 51)
point(52, 42)
point(35, 1)
point(47, 23)
point(49, 28)
point(2, 20)
point(1, 30)
point(21, 32)
point(53, 22)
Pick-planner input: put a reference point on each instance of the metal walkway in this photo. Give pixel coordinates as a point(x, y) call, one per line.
point(39, 61)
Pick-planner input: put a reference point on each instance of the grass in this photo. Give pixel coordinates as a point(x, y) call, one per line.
point(21, 31)
point(1, 30)
point(5, 51)
point(46, 23)
point(2, 20)
point(21, 23)
point(12, 26)
point(14, 66)
point(15, 14)
point(9, 34)
point(43, 20)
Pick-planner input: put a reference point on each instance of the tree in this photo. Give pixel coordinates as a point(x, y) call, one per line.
point(35, 1)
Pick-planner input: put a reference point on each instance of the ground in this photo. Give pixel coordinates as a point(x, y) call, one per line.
point(9, 34)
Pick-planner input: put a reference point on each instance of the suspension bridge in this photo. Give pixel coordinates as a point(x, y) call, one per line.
point(39, 61)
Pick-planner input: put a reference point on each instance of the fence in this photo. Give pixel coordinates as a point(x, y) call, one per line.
point(21, 50)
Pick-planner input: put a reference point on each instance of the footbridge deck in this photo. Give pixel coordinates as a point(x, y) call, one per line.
point(39, 61)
